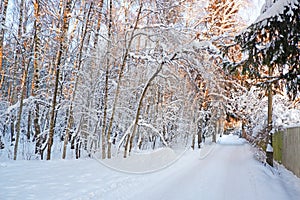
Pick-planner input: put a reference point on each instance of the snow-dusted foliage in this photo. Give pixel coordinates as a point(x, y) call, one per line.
point(106, 78)
point(252, 105)
point(272, 42)
point(284, 113)
point(270, 58)
point(275, 8)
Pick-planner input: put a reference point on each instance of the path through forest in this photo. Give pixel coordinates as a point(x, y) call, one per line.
point(227, 170)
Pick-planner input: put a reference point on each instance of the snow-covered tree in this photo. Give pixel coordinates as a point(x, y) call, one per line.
point(220, 24)
point(85, 77)
point(271, 49)
point(272, 42)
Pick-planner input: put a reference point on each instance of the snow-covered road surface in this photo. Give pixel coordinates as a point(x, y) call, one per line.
point(227, 170)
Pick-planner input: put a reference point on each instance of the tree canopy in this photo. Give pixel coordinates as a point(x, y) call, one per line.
point(272, 41)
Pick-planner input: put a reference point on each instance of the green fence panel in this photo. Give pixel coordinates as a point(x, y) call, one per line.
point(277, 146)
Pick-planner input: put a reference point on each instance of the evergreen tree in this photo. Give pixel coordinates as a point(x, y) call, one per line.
point(272, 47)
point(273, 42)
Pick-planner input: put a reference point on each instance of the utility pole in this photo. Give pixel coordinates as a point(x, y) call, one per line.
point(269, 149)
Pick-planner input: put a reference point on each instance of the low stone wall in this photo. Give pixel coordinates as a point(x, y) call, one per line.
point(286, 146)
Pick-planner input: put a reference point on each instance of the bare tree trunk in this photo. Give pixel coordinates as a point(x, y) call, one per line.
point(12, 130)
point(78, 148)
point(244, 129)
point(70, 121)
point(121, 73)
point(193, 140)
point(197, 122)
point(29, 125)
point(5, 4)
point(17, 58)
point(103, 139)
point(98, 16)
point(100, 6)
point(18, 126)
point(52, 124)
point(23, 83)
point(199, 133)
point(35, 80)
point(194, 131)
point(78, 66)
point(214, 136)
point(13, 73)
point(62, 46)
point(106, 90)
point(140, 105)
point(139, 108)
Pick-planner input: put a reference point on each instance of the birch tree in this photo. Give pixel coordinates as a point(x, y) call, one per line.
point(62, 46)
point(24, 78)
point(122, 66)
point(77, 67)
point(2, 33)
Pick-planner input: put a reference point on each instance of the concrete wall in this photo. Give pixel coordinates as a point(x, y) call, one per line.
point(291, 149)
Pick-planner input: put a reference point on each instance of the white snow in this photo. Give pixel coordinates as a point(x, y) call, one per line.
point(143, 162)
point(250, 11)
point(269, 148)
point(277, 8)
point(226, 170)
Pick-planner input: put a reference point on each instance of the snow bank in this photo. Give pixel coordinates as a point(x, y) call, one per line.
point(226, 172)
point(143, 162)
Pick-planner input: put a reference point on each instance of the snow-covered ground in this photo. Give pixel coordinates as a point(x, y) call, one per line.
point(227, 170)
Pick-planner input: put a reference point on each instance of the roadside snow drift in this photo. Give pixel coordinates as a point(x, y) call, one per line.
point(226, 170)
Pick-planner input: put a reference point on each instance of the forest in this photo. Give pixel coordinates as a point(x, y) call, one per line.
point(83, 78)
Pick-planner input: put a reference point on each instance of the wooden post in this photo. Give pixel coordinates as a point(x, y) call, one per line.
point(269, 150)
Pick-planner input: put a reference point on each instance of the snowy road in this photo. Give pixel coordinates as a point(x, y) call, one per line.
point(227, 170)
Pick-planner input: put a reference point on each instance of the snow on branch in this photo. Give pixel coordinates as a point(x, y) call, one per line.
point(277, 9)
point(127, 132)
point(143, 123)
